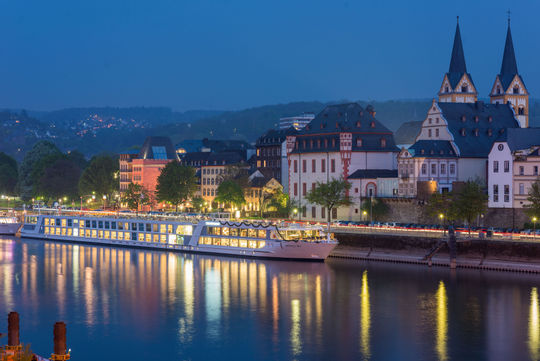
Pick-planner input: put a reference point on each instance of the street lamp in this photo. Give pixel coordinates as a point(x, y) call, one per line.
point(534, 219)
point(364, 214)
point(295, 211)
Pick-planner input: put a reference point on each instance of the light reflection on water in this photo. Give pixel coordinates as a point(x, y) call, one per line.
point(148, 305)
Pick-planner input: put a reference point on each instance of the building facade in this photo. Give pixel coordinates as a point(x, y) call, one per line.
point(340, 140)
point(514, 162)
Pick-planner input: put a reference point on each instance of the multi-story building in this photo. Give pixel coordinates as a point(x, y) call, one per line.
point(458, 131)
point(258, 188)
point(126, 168)
point(146, 167)
point(272, 155)
point(514, 162)
point(245, 149)
point(340, 140)
point(297, 122)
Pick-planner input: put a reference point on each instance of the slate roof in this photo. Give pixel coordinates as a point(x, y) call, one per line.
point(509, 65)
point(345, 118)
point(153, 143)
point(457, 67)
point(275, 136)
point(374, 173)
point(433, 149)
point(521, 138)
point(474, 120)
point(407, 132)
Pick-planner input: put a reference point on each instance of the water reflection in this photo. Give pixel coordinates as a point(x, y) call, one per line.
point(534, 326)
point(157, 305)
point(365, 317)
point(442, 323)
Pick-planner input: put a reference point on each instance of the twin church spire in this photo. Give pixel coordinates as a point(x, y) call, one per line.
point(458, 86)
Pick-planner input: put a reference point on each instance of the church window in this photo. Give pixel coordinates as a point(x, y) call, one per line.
point(359, 142)
point(383, 143)
point(516, 90)
point(429, 133)
point(464, 89)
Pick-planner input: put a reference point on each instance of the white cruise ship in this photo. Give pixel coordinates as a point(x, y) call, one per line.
point(9, 225)
point(290, 241)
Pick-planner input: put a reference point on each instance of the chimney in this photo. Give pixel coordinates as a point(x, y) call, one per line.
point(60, 338)
point(13, 329)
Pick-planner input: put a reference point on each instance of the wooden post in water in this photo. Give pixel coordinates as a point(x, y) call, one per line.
point(60, 348)
point(13, 329)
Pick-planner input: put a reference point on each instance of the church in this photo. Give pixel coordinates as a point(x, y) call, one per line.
point(459, 130)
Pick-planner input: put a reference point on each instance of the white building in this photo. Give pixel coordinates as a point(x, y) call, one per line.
point(340, 140)
point(514, 161)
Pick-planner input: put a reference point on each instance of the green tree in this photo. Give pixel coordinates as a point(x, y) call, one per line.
point(533, 207)
point(78, 158)
point(230, 193)
point(176, 184)
point(281, 203)
point(100, 177)
point(60, 180)
point(469, 202)
point(440, 204)
point(376, 210)
point(42, 154)
point(330, 195)
point(135, 196)
point(8, 174)
point(197, 204)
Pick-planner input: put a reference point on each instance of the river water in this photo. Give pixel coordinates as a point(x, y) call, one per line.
point(126, 304)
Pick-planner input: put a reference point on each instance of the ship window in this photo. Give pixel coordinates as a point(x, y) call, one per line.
point(87, 233)
point(70, 222)
point(225, 231)
point(243, 232)
point(46, 221)
point(154, 227)
point(252, 244)
point(156, 238)
point(234, 242)
point(148, 227)
point(141, 227)
point(120, 225)
point(94, 224)
point(100, 234)
point(133, 226)
point(94, 233)
point(120, 235)
point(242, 243)
point(141, 237)
point(58, 221)
point(63, 231)
point(252, 233)
point(113, 225)
point(133, 235)
point(162, 228)
point(163, 238)
point(225, 242)
point(262, 233)
point(148, 237)
point(113, 235)
point(107, 235)
point(100, 224)
point(262, 244)
point(234, 231)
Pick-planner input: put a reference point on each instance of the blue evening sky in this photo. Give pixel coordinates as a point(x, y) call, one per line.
point(233, 54)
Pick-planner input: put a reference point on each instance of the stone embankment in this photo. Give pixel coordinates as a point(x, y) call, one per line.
point(500, 255)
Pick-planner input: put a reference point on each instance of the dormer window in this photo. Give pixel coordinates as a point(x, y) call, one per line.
point(516, 90)
point(432, 152)
point(463, 133)
point(333, 142)
point(339, 114)
point(311, 144)
point(337, 125)
point(326, 143)
point(464, 89)
point(498, 89)
point(361, 113)
point(318, 143)
point(489, 132)
point(383, 143)
point(372, 124)
point(441, 152)
point(358, 124)
point(358, 142)
point(296, 144)
point(429, 120)
point(463, 118)
point(490, 119)
point(476, 132)
point(307, 127)
point(304, 144)
point(446, 90)
point(476, 118)
point(322, 125)
point(422, 151)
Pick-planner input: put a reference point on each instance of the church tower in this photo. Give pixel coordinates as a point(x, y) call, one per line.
point(509, 86)
point(457, 85)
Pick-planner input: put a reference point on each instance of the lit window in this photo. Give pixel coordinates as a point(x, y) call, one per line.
point(159, 152)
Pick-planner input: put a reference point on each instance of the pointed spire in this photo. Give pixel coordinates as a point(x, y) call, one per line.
point(509, 65)
point(457, 61)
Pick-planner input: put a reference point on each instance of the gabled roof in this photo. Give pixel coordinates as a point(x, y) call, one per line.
point(345, 118)
point(457, 67)
point(407, 132)
point(157, 148)
point(374, 173)
point(509, 65)
point(275, 136)
point(521, 138)
point(475, 126)
point(433, 149)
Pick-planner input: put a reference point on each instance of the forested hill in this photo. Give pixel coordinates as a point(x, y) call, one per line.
point(108, 129)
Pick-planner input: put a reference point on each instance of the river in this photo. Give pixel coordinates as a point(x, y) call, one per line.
point(126, 304)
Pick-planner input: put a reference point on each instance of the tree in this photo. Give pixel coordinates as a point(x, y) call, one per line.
point(99, 177)
point(176, 184)
point(376, 210)
point(469, 202)
point(533, 207)
point(229, 192)
point(78, 158)
point(136, 195)
point(281, 203)
point(42, 154)
point(440, 203)
point(59, 180)
point(8, 174)
point(330, 195)
point(197, 203)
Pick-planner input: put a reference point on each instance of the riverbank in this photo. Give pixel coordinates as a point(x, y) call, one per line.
point(513, 256)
